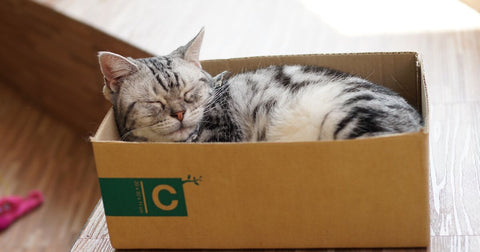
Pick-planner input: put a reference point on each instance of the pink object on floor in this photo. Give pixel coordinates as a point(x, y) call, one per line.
point(13, 207)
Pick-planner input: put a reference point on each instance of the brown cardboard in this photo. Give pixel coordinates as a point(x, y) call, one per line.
point(356, 193)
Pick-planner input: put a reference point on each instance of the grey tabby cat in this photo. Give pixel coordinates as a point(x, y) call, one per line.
point(170, 98)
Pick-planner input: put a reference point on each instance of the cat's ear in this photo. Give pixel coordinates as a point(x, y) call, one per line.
point(114, 67)
point(191, 51)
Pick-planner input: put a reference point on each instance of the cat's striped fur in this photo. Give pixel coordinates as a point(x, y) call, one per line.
point(170, 98)
point(305, 103)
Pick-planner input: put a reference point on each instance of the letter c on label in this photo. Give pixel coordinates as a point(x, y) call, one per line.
point(159, 204)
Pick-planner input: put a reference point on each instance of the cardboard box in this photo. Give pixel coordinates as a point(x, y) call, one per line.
point(355, 193)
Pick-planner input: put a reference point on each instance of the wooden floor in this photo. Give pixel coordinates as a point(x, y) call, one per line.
point(40, 152)
point(445, 33)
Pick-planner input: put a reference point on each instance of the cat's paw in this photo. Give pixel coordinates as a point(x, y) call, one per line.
point(220, 78)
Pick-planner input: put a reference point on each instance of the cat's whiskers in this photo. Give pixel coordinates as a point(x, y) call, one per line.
point(131, 131)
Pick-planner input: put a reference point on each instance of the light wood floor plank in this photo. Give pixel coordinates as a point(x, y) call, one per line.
point(40, 152)
point(455, 180)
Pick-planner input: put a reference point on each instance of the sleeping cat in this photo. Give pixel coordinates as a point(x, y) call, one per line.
point(170, 98)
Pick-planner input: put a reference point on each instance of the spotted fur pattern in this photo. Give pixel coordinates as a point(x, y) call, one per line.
point(170, 98)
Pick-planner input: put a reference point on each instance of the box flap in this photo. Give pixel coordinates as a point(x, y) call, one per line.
point(107, 131)
point(424, 95)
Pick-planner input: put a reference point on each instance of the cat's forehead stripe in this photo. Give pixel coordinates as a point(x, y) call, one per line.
point(176, 79)
point(156, 67)
point(158, 64)
point(157, 76)
point(162, 67)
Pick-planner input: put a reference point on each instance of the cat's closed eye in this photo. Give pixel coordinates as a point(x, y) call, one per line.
point(188, 96)
point(155, 102)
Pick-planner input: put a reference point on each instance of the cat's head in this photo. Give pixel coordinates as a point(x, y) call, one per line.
point(159, 98)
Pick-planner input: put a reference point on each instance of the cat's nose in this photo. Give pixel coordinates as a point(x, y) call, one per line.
point(178, 115)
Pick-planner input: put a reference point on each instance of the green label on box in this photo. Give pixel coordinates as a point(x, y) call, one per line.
point(144, 196)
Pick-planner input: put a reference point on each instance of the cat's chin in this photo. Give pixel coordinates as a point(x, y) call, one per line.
point(181, 134)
